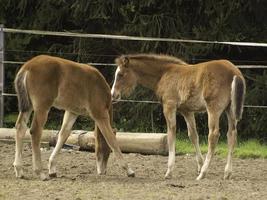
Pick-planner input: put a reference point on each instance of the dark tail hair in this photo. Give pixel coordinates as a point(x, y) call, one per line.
point(237, 97)
point(24, 102)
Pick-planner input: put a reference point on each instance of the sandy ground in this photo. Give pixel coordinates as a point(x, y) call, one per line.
point(77, 178)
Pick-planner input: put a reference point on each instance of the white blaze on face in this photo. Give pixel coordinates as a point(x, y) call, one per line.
point(113, 86)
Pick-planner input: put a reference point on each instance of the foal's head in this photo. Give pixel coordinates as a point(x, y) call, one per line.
point(125, 78)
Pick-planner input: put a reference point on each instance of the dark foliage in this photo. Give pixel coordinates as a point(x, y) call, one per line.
point(240, 20)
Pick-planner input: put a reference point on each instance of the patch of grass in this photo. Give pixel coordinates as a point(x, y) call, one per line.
point(10, 120)
point(251, 149)
point(245, 149)
point(184, 147)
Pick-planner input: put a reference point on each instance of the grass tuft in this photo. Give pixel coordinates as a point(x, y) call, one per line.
point(244, 149)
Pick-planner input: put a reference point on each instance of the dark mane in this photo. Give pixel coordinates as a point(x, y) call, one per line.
point(154, 57)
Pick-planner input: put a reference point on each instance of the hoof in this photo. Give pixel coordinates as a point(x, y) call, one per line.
point(20, 176)
point(168, 175)
point(19, 172)
point(44, 177)
point(201, 176)
point(130, 173)
point(227, 176)
point(53, 175)
point(101, 173)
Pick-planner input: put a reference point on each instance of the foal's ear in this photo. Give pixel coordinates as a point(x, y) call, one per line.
point(125, 61)
point(122, 61)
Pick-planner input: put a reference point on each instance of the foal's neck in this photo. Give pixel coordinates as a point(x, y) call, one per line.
point(149, 81)
point(149, 74)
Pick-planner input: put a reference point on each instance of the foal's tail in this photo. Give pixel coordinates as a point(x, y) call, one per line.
point(237, 97)
point(24, 102)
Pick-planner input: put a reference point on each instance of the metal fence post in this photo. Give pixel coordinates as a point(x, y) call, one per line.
point(1, 74)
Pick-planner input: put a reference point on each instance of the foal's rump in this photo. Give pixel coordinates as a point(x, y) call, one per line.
point(51, 81)
point(224, 85)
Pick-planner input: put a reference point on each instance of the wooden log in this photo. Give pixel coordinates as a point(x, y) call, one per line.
point(9, 133)
point(144, 143)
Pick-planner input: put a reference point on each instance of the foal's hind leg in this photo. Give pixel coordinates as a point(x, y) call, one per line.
point(21, 127)
point(38, 121)
point(68, 121)
point(213, 120)
point(193, 136)
point(231, 137)
point(169, 110)
point(104, 125)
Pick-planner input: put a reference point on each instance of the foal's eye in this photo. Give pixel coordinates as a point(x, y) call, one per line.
point(120, 75)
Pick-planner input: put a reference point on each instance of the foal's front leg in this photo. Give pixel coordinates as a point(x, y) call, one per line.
point(169, 110)
point(107, 132)
point(68, 121)
point(102, 152)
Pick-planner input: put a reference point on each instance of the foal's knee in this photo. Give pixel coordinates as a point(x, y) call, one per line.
point(214, 136)
point(33, 130)
point(21, 125)
point(232, 131)
point(192, 134)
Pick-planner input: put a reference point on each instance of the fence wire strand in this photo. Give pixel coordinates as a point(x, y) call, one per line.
point(136, 101)
point(126, 37)
point(112, 64)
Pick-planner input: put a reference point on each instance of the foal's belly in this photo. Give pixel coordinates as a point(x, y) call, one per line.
point(193, 104)
point(75, 107)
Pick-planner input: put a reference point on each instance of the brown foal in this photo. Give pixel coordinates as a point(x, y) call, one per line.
point(214, 86)
point(79, 89)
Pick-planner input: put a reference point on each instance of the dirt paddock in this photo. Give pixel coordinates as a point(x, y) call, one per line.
point(77, 178)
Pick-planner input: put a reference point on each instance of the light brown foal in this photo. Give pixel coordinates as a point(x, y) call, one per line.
point(79, 89)
point(214, 86)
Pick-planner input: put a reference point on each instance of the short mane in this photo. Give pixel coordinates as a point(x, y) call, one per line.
point(160, 57)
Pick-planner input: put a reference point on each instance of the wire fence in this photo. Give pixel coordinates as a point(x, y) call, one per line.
point(124, 37)
point(145, 101)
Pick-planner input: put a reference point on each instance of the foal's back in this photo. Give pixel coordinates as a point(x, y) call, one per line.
point(193, 86)
point(217, 78)
point(65, 84)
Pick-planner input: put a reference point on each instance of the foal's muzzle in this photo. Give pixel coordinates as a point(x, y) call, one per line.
point(115, 96)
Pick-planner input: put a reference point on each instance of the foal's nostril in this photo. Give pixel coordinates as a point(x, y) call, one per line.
point(115, 96)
